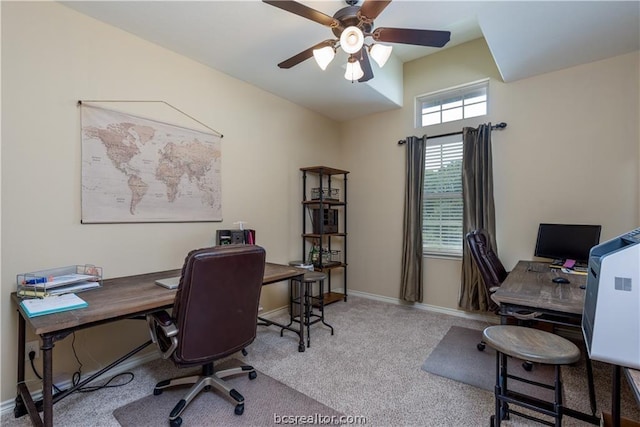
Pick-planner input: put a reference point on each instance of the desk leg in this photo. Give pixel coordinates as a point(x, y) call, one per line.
point(615, 396)
point(47, 379)
point(300, 331)
point(592, 391)
point(21, 342)
point(24, 400)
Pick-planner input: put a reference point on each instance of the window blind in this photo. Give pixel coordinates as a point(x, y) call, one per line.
point(442, 201)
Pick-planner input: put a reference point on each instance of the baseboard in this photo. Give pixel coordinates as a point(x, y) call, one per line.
point(427, 307)
point(6, 408)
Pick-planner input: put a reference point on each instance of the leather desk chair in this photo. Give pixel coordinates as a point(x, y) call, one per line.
point(493, 274)
point(215, 314)
point(491, 269)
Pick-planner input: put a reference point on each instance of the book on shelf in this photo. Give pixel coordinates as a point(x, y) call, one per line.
point(52, 304)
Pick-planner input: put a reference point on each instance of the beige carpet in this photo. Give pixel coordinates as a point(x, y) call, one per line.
point(266, 399)
point(456, 357)
point(370, 367)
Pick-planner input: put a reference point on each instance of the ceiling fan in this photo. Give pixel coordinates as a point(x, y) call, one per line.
point(351, 25)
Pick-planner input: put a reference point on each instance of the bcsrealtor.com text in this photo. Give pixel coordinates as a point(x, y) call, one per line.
point(319, 419)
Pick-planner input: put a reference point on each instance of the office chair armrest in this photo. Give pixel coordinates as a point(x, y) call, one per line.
point(161, 321)
point(162, 318)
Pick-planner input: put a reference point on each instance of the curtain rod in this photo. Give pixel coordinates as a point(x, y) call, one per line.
point(497, 126)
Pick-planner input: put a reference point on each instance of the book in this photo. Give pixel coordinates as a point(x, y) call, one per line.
point(52, 304)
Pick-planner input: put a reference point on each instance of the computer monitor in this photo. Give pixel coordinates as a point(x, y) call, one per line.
point(567, 241)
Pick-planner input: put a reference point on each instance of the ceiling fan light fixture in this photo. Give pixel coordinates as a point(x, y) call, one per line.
point(351, 39)
point(354, 70)
point(324, 56)
point(380, 53)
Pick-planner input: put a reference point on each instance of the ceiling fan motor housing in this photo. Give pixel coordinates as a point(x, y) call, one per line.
point(348, 18)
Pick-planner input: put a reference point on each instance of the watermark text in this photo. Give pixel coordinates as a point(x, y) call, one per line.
point(319, 419)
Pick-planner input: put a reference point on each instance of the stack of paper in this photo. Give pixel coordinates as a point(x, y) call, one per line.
point(52, 304)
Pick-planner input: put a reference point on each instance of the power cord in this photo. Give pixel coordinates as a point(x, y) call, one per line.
point(76, 376)
point(32, 357)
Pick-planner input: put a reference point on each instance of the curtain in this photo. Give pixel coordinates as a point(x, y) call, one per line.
point(411, 279)
point(478, 211)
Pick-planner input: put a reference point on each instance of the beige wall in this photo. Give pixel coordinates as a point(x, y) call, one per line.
point(53, 56)
point(576, 128)
point(569, 154)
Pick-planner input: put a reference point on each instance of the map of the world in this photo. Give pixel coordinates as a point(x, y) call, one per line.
point(140, 170)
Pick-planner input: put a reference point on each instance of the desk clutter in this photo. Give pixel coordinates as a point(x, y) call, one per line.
point(58, 281)
point(54, 290)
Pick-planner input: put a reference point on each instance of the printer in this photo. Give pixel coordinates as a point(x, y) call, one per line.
point(611, 315)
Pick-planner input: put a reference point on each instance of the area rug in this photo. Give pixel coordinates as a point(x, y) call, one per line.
point(267, 402)
point(456, 357)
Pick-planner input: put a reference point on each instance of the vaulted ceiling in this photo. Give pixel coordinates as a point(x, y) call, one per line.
point(246, 39)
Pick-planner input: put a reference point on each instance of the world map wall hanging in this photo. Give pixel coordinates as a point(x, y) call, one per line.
point(136, 169)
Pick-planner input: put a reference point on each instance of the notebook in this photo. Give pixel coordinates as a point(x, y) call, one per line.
point(169, 282)
point(52, 304)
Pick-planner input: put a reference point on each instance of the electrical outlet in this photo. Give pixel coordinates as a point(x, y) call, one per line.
point(31, 346)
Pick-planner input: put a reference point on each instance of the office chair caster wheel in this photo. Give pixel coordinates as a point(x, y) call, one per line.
point(481, 346)
point(239, 409)
point(492, 421)
point(177, 422)
point(253, 375)
point(157, 391)
point(527, 366)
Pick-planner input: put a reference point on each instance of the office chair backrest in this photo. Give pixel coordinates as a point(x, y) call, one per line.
point(491, 269)
point(216, 305)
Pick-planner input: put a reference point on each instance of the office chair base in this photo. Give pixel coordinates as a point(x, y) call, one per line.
point(205, 382)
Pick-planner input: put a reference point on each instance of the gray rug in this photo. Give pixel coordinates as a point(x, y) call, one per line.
point(456, 357)
point(266, 399)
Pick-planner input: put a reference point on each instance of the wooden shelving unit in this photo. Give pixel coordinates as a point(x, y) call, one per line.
point(321, 199)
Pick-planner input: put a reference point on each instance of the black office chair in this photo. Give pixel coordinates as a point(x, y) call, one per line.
point(215, 314)
point(492, 273)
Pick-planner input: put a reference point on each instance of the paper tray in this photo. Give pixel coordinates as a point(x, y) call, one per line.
point(60, 280)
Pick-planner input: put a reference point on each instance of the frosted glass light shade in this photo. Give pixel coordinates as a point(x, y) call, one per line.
point(380, 53)
point(354, 71)
point(324, 56)
point(351, 39)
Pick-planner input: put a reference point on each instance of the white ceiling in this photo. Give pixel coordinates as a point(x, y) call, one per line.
point(246, 39)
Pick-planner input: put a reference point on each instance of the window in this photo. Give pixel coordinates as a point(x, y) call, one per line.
point(442, 197)
point(452, 104)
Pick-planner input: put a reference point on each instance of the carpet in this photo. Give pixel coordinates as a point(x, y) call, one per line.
point(266, 399)
point(456, 357)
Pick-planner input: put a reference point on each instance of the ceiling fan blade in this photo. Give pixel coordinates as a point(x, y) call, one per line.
point(365, 64)
point(303, 56)
point(370, 9)
point(409, 36)
point(305, 11)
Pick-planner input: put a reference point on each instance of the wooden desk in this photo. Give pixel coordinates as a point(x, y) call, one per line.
point(117, 299)
point(529, 285)
point(529, 288)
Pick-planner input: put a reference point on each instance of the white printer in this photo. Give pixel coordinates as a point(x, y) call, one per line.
point(611, 315)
